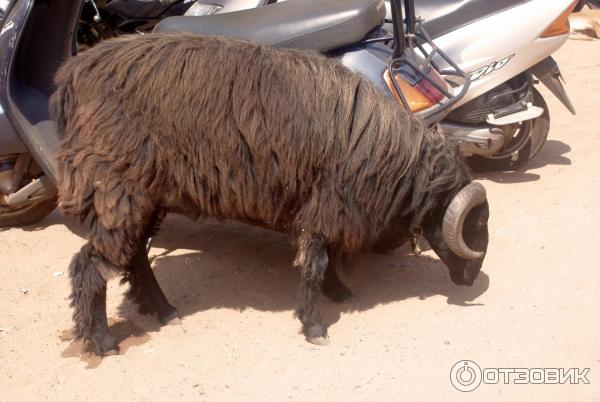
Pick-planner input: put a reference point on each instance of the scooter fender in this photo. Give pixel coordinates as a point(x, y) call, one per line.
point(548, 73)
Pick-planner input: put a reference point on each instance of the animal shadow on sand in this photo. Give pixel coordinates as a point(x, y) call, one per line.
point(232, 265)
point(552, 153)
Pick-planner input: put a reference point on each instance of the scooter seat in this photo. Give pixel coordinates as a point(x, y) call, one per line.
point(322, 25)
point(443, 16)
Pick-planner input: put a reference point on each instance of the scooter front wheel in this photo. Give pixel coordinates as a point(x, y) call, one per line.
point(523, 141)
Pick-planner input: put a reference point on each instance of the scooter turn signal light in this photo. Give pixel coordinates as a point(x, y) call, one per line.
point(560, 26)
point(420, 96)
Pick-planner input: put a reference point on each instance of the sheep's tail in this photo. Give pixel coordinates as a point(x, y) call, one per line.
point(62, 101)
point(75, 181)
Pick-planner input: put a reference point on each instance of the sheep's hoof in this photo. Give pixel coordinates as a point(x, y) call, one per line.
point(320, 340)
point(316, 334)
point(102, 345)
point(170, 318)
point(112, 352)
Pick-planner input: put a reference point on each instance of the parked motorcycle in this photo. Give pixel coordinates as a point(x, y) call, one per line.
point(478, 90)
point(104, 19)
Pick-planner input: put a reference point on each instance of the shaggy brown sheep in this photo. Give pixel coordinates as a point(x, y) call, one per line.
point(285, 139)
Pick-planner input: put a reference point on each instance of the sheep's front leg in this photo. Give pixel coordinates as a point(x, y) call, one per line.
point(145, 290)
point(312, 260)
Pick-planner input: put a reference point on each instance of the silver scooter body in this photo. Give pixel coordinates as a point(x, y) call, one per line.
point(502, 45)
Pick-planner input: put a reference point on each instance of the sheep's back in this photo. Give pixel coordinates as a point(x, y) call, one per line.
point(241, 130)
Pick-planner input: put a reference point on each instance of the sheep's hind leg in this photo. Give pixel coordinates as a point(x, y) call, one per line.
point(312, 259)
point(121, 217)
point(145, 290)
point(333, 287)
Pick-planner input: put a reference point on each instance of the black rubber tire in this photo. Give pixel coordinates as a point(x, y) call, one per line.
point(538, 133)
point(27, 215)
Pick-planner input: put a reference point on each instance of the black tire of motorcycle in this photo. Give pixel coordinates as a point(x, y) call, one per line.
point(538, 133)
point(27, 215)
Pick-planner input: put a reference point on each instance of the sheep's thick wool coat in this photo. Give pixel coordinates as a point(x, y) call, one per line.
point(281, 138)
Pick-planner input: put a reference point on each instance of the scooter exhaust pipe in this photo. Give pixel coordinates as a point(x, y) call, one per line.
point(39, 189)
point(472, 139)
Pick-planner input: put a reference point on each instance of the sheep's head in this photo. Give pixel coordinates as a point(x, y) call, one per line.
point(459, 234)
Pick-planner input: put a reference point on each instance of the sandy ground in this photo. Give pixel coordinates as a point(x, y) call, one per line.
point(535, 304)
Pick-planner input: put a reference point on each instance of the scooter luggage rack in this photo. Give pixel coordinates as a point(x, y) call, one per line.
point(417, 36)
